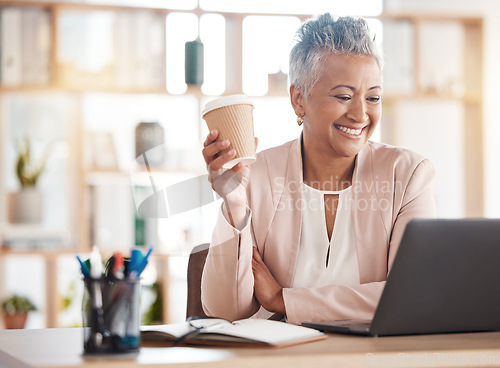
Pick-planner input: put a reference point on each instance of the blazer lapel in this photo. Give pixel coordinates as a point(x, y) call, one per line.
point(295, 176)
point(369, 229)
point(282, 243)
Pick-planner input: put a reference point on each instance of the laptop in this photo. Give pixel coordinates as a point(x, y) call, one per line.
point(445, 278)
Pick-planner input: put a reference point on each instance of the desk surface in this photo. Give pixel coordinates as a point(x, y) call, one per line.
point(63, 347)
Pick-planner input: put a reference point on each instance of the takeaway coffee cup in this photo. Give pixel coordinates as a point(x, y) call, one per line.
point(232, 117)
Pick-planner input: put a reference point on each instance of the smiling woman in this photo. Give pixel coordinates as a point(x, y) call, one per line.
point(319, 250)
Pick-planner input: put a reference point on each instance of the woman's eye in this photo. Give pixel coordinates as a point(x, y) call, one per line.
point(343, 98)
point(374, 99)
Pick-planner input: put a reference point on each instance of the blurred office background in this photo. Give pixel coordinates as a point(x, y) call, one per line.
point(96, 83)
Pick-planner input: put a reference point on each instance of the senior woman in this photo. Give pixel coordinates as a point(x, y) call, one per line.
point(313, 231)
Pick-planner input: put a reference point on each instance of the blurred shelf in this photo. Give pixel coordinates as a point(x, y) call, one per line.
point(47, 253)
point(32, 237)
point(468, 98)
point(426, 17)
point(191, 91)
point(82, 89)
point(30, 231)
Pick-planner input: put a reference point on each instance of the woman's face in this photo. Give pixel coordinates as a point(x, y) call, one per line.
point(344, 106)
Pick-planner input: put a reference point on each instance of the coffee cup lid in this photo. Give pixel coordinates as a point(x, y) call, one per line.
point(226, 101)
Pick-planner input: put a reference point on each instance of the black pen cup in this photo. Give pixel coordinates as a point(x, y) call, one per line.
point(111, 318)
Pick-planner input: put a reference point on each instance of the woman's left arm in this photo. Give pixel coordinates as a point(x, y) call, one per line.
point(418, 201)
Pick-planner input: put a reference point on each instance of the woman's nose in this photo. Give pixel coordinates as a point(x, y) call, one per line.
point(357, 112)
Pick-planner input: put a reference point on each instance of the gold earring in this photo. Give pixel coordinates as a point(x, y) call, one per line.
point(300, 120)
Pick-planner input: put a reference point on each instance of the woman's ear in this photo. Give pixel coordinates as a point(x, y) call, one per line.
point(297, 98)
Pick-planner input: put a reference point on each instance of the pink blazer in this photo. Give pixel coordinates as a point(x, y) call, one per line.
point(391, 186)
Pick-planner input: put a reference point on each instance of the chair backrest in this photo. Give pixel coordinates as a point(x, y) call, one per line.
point(195, 269)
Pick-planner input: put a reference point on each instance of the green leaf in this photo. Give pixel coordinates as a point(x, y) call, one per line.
point(27, 172)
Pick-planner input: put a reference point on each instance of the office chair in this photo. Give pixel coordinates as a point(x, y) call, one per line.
point(195, 269)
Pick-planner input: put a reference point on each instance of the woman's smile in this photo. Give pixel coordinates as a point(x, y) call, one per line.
point(351, 133)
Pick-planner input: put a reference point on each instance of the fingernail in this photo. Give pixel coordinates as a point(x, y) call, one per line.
point(232, 152)
point(225, 142)
point(213, 132)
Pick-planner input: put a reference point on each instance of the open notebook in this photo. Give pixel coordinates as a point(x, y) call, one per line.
point(214, 331)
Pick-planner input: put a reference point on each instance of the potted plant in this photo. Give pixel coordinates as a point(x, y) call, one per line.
point(25, 206)
point(15, 311)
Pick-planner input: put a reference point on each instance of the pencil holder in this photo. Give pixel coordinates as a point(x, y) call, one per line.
point(111, 317)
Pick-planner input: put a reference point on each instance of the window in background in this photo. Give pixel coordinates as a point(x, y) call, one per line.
point(267, 41)
point(111, 49)
point(139, 50)
point(423, 126)
point(86, 42)
point(46, 121)
point(274, 121)
point(361, 7)
point(442, 65)
point(212, 34)
point(181, 27)
point(399, 49)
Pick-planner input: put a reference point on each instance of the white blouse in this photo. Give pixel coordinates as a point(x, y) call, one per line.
point(322, 261)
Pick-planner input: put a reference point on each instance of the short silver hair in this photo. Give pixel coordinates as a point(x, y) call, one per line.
point(318, 37)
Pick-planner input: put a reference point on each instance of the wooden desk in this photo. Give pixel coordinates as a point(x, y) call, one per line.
point(63, 348)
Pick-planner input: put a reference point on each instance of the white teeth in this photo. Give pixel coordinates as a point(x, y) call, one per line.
point(349, 130)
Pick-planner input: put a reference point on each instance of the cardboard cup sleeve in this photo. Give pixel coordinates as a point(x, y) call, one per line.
point(235, 123)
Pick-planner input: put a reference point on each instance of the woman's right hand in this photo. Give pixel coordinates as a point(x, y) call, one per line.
point(230, 184)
